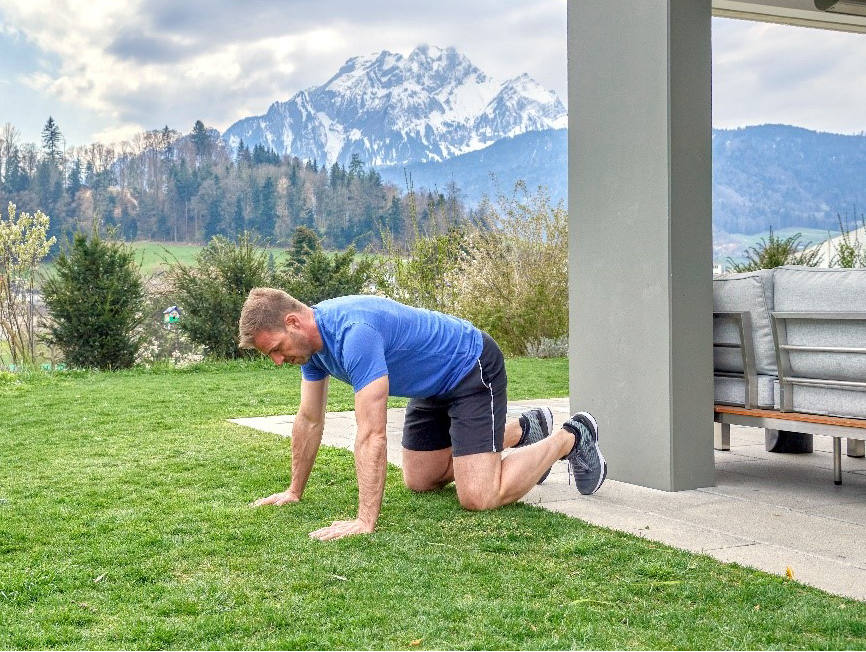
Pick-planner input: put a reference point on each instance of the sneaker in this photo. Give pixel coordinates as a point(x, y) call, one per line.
point(537, 425)
point(585, 461)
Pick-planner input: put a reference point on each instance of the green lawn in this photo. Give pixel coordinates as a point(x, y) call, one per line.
point(124, 523)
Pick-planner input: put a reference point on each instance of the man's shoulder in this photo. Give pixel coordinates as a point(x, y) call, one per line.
point(352, 302)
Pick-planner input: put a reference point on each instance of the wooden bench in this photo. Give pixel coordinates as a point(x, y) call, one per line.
point(854, 430)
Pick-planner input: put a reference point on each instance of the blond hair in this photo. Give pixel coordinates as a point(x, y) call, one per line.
point(265, 310)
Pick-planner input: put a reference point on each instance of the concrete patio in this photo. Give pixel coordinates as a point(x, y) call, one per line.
point(768, 511)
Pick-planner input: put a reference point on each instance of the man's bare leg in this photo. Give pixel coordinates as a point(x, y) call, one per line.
point(486, 481)
point(431, 470)
point(427, 470)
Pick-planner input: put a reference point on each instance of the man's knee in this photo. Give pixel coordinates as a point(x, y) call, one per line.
point(478, 501)
point(420, 482)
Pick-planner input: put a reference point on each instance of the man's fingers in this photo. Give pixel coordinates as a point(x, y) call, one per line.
point(269, 500)
point(336, 530)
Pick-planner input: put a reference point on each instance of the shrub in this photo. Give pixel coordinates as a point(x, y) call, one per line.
point(512, 276)
point(24, 242)
point(422, 272)
point(312, 275)
point(95, 299)
point(850, 251)
point(212, 292)
point(775, 252)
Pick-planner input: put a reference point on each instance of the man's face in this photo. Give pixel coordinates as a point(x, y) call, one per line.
point(288, 345)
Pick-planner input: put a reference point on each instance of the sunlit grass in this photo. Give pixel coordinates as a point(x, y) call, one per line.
point(124, 523)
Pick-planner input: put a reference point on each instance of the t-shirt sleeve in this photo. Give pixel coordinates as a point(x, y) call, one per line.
point(363, 355)
point(312, 371)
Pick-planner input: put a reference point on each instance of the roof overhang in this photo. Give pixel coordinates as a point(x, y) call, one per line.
point(789, 12)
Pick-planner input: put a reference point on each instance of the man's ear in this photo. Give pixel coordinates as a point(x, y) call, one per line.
point(291, 321)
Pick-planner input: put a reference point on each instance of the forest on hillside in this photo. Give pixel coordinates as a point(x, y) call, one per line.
point(167, 186)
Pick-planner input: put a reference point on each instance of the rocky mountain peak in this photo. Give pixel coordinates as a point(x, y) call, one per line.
point(393, 109)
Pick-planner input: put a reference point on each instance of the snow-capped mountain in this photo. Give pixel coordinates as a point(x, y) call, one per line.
point(390, 109)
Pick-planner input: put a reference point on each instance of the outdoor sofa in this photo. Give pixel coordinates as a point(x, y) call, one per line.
point(789, 353)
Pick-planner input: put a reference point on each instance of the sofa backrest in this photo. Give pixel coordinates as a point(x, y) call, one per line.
point(752, 292)
point(812, 289)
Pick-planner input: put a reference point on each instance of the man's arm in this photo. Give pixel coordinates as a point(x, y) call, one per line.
point(371, 461)
point(306, 437)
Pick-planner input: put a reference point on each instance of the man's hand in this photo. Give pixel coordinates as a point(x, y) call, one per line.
point(340, 529)
point(282, 498)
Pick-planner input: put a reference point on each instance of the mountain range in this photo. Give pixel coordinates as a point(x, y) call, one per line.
point(389, 109)
point(436, 117)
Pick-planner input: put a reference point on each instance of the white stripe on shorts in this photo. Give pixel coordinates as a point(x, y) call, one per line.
point(492, 412)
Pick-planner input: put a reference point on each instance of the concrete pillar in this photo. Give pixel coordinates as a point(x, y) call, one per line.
point(640, 235)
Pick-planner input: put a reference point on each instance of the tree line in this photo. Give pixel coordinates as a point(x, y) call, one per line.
point(168, 186)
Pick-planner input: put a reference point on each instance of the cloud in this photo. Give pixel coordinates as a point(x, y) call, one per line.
point(150, 63)
point(795, 75)
point(145, 49)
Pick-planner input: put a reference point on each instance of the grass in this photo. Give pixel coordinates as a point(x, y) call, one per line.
point(124, 523)
point(153, 255)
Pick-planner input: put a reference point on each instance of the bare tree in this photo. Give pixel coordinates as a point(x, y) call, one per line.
point(9, 136)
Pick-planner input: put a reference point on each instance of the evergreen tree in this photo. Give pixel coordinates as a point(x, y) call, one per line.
point(201, 140)
point(96, 300)
point(304, 242)
point(74, 184)
point(309, 218)
point(51, 138)
point(212, 292)
point(166, 141)
point(243, 155)
point(323, 276)
point(338, 174)
point(15, 179)
point(238, 220)
point(214, 221)
point(356, 167)
point(268, 215)
point(128, 223)
point(395, 218)
point(262, 156)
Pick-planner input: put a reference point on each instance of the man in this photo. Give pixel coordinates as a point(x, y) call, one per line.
point(455, 426)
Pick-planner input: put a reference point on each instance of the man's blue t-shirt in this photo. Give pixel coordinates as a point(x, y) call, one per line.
point(424, 353)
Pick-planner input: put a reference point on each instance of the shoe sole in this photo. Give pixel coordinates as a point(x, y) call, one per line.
point(601, 459)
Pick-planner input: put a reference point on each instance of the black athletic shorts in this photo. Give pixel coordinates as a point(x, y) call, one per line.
point(470, 418)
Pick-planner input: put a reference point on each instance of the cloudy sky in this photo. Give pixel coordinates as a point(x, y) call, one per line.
point(107, 69)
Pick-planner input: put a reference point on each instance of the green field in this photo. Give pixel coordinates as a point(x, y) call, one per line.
point(124, 524)
point(158, 256)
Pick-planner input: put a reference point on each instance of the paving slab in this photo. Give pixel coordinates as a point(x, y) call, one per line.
point(843, 578)
point(768, 511)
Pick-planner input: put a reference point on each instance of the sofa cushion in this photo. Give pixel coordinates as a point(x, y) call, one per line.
point(732, 391)
point(822, 400)
point(753, 292)
point(810, 289)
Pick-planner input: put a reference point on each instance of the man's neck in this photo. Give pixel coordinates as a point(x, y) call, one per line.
point(313, 331)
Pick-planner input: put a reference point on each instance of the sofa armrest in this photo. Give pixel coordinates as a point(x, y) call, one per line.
point(743, 320)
